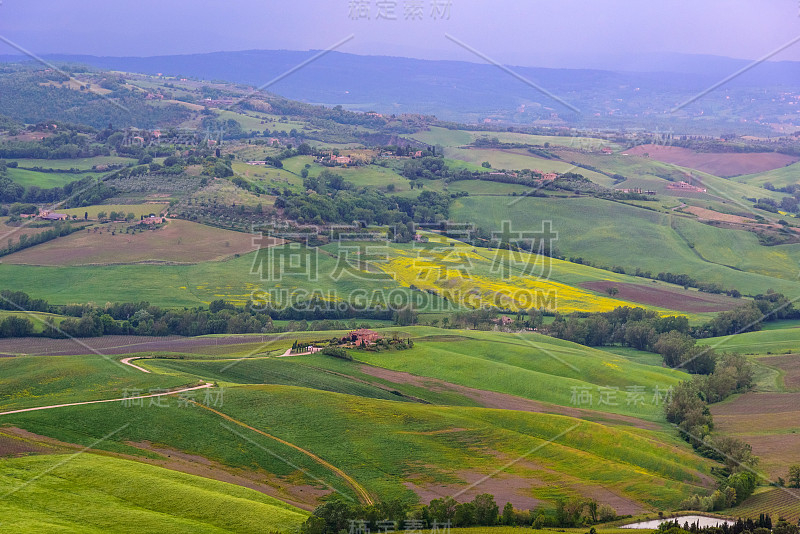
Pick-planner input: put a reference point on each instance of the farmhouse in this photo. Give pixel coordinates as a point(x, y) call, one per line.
point(152, 219)
point(362, 337)
point(47, 215)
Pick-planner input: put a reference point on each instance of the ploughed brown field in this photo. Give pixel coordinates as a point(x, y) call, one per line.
point(718, 164)
point(769, 422)
point(178, 242)
point(671, 298)
point(117, 344)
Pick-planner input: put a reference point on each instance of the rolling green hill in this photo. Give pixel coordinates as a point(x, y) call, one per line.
point(91, 493)
point(382, 444)
point(614, 234)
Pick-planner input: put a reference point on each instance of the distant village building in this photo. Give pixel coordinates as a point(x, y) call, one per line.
point(547, 176)
point(332, 159)
point(686, 186)
point(637, 191)
point(153, 219)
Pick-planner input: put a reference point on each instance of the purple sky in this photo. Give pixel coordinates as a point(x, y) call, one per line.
point(519, 32)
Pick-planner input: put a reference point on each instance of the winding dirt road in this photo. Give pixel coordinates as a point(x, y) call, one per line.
point(127, 361)
point(175, 392)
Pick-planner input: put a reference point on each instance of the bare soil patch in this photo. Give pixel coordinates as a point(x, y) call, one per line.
point(13, 445)
point(504, 401)
point(177, 242)
point(719, 164)
point(672, 298)
point(711, 215)
point(504, 486)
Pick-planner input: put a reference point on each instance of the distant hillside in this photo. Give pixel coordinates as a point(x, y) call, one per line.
point(473, 92)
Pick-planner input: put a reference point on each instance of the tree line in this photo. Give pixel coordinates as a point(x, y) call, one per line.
point(143, 319)
point(338, 515)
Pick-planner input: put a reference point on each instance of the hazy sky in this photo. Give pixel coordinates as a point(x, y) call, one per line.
point(519, 32)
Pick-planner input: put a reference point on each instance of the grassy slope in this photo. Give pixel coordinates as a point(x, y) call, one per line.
point(30, 381)
point(531, 366)
point(90, 493)
point(382, 443)
point(616, 234)
point(778, 177)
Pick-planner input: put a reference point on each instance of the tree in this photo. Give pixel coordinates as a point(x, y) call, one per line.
point(783, 527)
point(405, 317)
point(744, 483)
point(640, 335)
point(465, 515)
point(14, 326)
point(486, 165)
point(101, 215)
point(672, 346)
point(794, 476)
point(592, 506)
point(486, 510)
point(443, 510)
point(612, 291)
point(508, 515)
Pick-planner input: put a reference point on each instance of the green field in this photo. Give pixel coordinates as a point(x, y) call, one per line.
point(82, 164)
point(783, 341)
point(91, 493)
point(373, 176)
point(450, 138)
point(45, 180)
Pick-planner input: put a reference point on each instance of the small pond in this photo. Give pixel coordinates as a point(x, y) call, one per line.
point(703, 521)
